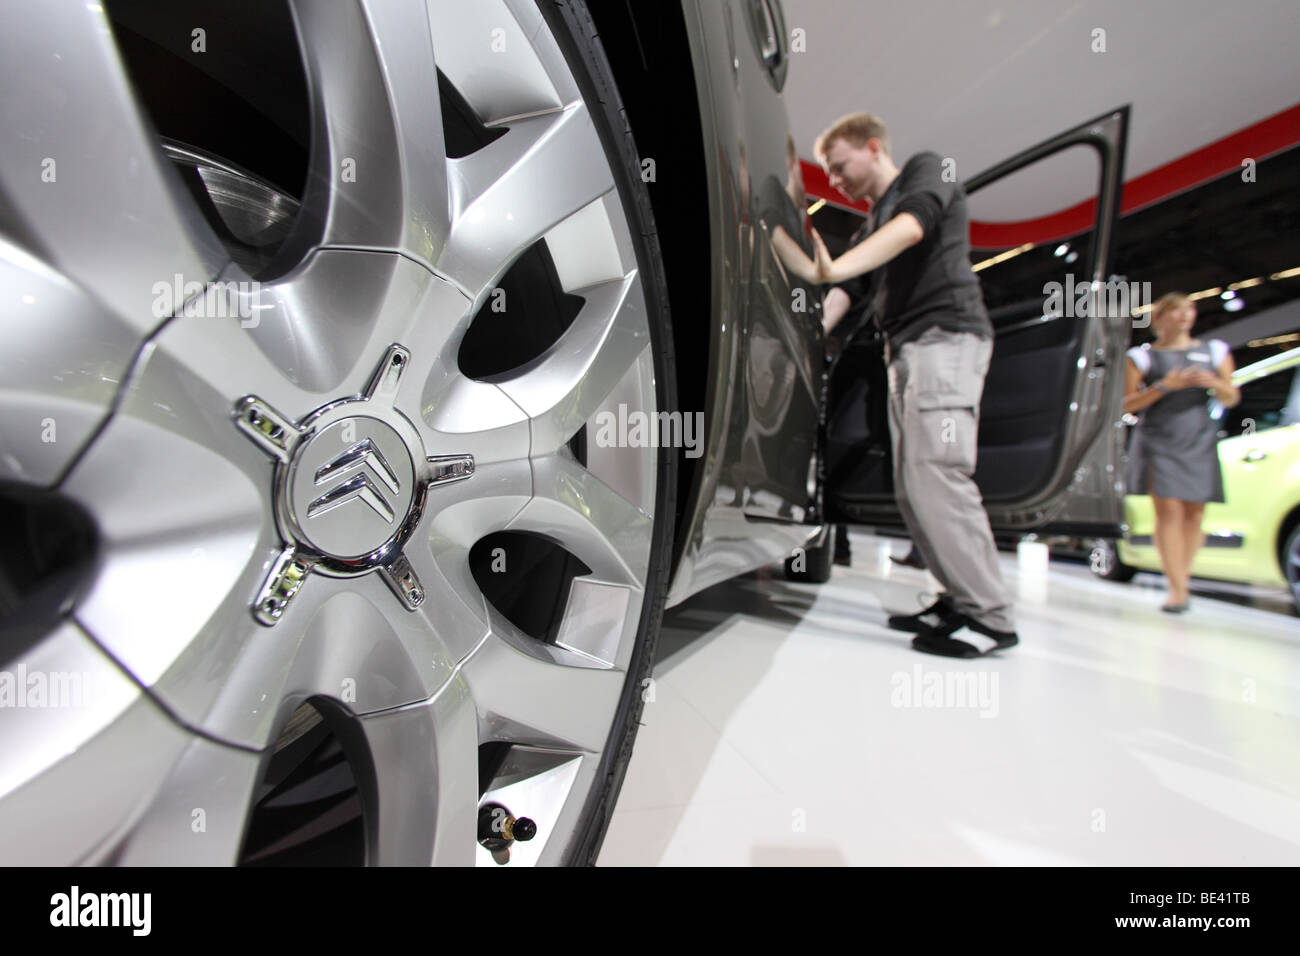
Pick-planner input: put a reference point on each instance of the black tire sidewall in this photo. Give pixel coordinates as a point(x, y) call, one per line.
point(1287, 548)
point(818, 562)
point(571, 24)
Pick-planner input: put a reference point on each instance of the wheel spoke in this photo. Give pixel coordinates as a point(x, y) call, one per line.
point(64, 376)
point(633, 475)
point(202, 808)
point(453, 613)
point(564, 388)
point(597, 525)
point(350, 641)
point(378, 180)
point(84, 172)
point(171, 557)
point(526, 699)
point(425, 766)
point(460, 513)
point(102, 694)
point(326, 325)
point(463, 416)
point(508, 194)
point(528, 77)
point(65, 798)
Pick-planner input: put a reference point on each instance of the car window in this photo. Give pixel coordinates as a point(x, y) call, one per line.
point(1267, 402)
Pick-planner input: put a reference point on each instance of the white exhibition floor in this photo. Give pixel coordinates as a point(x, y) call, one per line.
point(788, 725)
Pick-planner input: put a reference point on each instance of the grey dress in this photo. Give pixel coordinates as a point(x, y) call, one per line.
point(1174, 450)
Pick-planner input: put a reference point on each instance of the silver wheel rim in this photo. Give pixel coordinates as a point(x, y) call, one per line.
point(1103, 557)
point(217, 591)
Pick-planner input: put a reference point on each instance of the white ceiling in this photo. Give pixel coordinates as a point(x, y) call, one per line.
point(978, 80)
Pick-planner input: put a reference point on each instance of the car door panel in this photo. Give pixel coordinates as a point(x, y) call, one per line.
point(752, 489)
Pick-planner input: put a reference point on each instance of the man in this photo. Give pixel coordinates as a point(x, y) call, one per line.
point(938, 341)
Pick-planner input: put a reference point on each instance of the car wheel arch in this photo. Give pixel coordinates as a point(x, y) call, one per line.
point(635, 38)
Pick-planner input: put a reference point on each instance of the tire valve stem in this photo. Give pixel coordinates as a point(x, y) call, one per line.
point(498, 829)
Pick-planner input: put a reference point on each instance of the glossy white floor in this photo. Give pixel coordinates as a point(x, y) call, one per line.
point(788, 725)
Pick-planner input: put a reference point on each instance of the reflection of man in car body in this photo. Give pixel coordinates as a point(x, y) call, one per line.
point(938, 344)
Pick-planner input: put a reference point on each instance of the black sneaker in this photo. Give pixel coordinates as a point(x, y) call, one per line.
point(933, 616)
point(940, 640)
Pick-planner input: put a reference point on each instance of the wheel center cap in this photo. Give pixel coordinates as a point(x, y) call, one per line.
point(350, 487)
point(351, 481)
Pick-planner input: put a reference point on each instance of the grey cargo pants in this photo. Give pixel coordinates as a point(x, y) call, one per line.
point(935, 384)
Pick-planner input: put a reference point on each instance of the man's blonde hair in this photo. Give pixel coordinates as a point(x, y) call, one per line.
point(856, 129)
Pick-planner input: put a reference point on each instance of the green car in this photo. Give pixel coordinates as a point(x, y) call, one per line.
point(1254, 536)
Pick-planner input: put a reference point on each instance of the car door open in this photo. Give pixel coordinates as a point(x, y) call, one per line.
point(1050, 444)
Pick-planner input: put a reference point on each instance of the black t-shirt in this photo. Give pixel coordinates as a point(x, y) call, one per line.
point(930, 284)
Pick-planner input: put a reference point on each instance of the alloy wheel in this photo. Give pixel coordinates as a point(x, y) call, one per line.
point(303, 497)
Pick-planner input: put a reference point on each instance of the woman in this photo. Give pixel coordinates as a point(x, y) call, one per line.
point(1174, 456)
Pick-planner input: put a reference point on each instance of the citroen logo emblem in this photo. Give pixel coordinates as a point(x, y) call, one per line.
point(349, 486)
point(351, 482)
point(360, 487)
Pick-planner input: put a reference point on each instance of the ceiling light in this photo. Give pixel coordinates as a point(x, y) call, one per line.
point(1229, 294)
point(1234, 305)
point(1286, 274)
point(1062, 249)
point(1002, 257)
point(1273, 340)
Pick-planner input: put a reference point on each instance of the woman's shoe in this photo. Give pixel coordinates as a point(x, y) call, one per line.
point(1174, 608)
point(913, 559)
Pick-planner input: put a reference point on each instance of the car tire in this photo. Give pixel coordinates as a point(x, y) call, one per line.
point(575, 30)
point(812, 565)
point(1291, 563)
point(1104, 562)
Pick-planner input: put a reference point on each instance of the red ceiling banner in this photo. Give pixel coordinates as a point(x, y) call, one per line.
point(1272, 135)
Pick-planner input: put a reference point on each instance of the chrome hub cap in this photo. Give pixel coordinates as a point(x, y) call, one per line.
point(348, 492)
